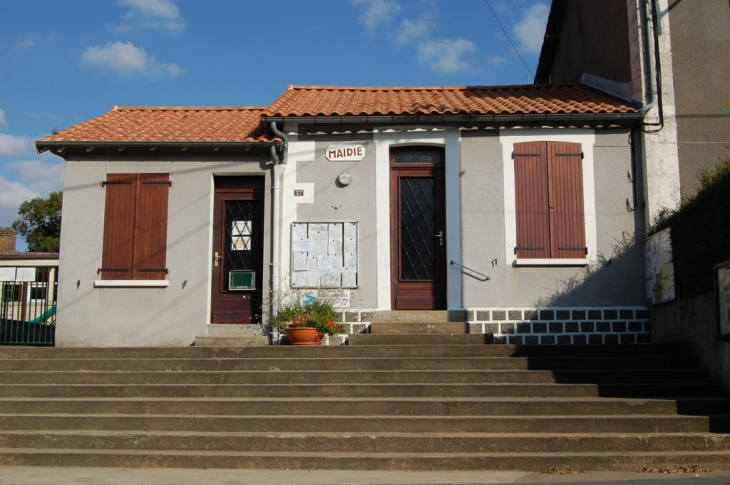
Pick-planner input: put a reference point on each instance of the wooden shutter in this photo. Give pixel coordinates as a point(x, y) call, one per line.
point(119, 215)
point(565, 168)
point(531, 200)
point(151, 227)
point(135, 227)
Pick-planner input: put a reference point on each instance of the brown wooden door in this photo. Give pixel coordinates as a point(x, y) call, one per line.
point(238, 252)
point(418, 229)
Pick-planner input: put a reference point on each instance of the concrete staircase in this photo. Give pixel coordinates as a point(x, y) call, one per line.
point(381, 406)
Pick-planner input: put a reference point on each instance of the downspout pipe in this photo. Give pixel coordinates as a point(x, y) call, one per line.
point(651, 41)
point(278, 171)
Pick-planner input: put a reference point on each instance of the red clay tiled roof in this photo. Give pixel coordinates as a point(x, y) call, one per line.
point(488, 100)
point(170, 124)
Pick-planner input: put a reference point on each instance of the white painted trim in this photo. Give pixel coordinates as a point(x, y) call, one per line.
point(396, 136)
point(587, 139)
point(299, 151)
point(131, 283)
point(551, 262)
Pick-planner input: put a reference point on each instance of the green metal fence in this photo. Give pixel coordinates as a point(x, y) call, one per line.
point(28, 306)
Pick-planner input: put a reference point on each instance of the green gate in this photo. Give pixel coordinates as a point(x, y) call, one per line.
point(28, 305)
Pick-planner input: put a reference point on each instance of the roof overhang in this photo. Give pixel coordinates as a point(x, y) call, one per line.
point(620, 118)
point(59, 146)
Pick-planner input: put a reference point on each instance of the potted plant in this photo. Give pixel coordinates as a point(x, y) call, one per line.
point(306, 323)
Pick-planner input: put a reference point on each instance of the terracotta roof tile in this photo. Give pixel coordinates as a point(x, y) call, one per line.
point(170, 124)
point(490, 100)
point(243, 124)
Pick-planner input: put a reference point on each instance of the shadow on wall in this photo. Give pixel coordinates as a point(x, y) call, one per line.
point(589, 282)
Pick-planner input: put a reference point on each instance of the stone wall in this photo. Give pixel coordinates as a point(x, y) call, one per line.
point(544, 326)
point(693, 322)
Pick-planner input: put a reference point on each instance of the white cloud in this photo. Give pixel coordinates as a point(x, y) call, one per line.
point(14, 145)
point(496, 60)
point(2, 117)
point(414, 29)
point(152, 14)
point(12, 194)
point(38, 176)
point(377, 12)
point(25, 41)
point(531, 29)
point(445, 55)
point(127, 60)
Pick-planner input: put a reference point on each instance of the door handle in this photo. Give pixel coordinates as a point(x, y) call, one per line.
point(217, 258)
point(440, 235)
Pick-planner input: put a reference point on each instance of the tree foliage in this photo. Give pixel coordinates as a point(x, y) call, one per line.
point(39, 223)
point(701, 230)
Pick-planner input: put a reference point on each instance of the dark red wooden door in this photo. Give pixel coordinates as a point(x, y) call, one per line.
point(418, 229)
point(238, 250)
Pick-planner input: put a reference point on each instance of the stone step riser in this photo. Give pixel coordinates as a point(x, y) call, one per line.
point(370, 443)
point(373, 391)
point(347, 407)
point(430, 461)
point(353, 364)
point(278, 352)
point(432, 339)
point(304, 423)
point(352, 377)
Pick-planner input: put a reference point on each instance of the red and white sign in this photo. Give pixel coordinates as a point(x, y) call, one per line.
point(345, 153)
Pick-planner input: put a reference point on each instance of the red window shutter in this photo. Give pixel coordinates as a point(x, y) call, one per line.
point(565, 168)
point(119, 210)
point(531, 200)
point(150, 248)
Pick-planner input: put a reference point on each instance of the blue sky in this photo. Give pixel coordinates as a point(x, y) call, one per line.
point(63, 62)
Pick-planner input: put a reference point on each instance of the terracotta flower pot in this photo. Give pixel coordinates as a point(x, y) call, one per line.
point(303, 335)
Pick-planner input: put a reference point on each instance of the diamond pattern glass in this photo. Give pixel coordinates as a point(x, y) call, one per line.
point(417, 229)
point(237, 254)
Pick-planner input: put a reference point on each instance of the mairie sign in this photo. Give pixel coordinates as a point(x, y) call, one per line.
point(345, 153)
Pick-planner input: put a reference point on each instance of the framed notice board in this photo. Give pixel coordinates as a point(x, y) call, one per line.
point(324, 254)
point(722, 290)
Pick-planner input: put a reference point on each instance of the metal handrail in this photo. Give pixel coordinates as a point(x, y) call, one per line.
point(483, 276)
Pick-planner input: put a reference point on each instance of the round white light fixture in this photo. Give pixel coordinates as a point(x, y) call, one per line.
point(345, 178)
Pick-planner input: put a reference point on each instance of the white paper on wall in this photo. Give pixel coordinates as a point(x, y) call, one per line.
point(322, 252)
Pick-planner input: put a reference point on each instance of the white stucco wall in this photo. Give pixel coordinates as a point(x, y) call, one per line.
point(141, 316)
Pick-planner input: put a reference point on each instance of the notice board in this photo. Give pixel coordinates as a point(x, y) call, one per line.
point(324, 254)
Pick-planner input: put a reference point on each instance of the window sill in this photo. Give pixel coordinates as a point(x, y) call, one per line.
point(551, 262)
point(132, 283)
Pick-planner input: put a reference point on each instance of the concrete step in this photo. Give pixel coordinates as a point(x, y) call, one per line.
point(424, 405)
point(624, 461)
point(420, 339)
point(300, 422)
point(315, 363)
point(352, 377)
point(231, 341)
point(418, 327)
point(380, 442)
point(370, 390)
point(448, 406)
point(284, 351)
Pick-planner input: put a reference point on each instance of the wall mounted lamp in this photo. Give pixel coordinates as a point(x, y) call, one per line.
point(345, 178)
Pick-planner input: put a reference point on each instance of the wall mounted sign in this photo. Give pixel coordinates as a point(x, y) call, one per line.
point(658, 268)
point(722, 289)
point(345, 153)
point(7, 274)
point(25, 274)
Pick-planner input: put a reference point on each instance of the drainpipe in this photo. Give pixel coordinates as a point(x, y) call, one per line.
point(278, 171)
point(651, 43)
